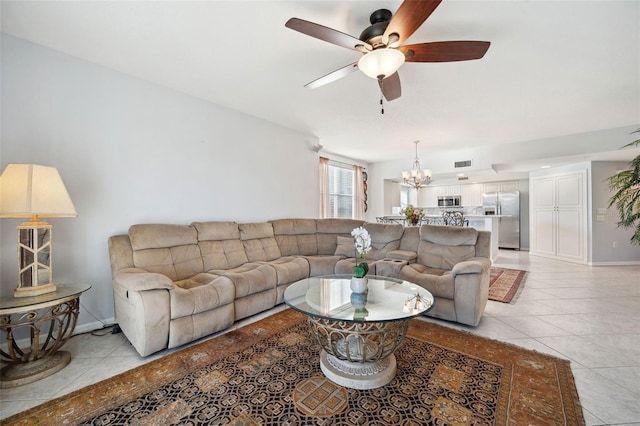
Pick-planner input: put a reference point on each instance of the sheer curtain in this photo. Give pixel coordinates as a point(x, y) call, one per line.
point(324, 187)
point(358, 194)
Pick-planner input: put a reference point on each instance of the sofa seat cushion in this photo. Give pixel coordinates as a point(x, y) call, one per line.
point(322, 264)
point(290, 269)
point(409, 256)
point(250, 278)
point(200, 293)
point(439, 282)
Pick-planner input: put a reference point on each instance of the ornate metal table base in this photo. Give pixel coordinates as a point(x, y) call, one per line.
point(54, 324)
point(21, 374)
point(358, 375)
point(358, 355)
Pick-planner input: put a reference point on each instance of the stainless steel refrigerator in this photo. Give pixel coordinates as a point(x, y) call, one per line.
point(507, 205)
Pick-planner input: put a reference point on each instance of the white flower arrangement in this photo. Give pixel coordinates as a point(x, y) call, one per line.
point(362, 241)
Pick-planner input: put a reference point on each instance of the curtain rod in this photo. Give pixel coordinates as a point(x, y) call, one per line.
point(343, 163)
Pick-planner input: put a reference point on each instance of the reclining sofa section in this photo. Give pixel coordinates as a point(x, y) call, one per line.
point(173, 284)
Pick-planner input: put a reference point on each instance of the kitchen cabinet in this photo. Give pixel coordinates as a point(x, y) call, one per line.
point(429, 198)
point(505, 186)
point(471, 194)
point(559, 216)
point(429, 194)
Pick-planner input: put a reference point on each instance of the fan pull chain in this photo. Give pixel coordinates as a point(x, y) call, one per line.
point(381, 105)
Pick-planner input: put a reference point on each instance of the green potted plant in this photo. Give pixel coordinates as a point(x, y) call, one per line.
point(626, 199)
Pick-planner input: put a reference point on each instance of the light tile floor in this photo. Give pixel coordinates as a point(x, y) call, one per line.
point(589, 315)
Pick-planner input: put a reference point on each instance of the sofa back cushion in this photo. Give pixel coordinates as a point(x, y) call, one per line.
point(171, 250)
point(346, 246)
point(329, 229)
point(410, 238)
point(296, 236)
point(220, 245)
point(442, 247)
point(384, 238)
point(259, 242)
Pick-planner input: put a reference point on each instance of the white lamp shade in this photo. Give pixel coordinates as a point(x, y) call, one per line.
point(28, 189)
point(381, 62)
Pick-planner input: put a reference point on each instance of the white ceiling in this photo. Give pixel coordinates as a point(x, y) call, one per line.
point(554, 67)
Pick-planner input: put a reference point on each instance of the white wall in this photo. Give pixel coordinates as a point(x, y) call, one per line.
point(133, 152)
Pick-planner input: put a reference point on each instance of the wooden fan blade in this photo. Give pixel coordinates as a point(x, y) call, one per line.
point(408, 18)
point(328, 34)
point(390, 87)
point(333, 76)
point(445, 51)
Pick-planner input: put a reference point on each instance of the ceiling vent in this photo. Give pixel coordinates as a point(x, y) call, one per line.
point(458, 164)
point(463, 177)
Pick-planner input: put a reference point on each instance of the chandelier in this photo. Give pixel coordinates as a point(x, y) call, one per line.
point(417, 178)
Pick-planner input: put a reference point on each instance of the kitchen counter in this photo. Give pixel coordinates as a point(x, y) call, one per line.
point(487, 223)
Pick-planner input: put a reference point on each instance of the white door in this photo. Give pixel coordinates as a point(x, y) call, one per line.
point(570, 217)
point(543, 237)
point(558, 211)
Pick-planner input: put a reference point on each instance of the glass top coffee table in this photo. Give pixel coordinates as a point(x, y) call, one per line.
point(358, 332)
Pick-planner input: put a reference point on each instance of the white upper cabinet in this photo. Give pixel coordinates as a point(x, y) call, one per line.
point(471, 194)
point(428, 196)
point(501, 186)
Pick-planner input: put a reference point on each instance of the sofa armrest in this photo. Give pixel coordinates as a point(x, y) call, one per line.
point(390, 267)
point(142, 306)
point(471, 289)
point(407, 255)
point(476, 265)
point(136, 279)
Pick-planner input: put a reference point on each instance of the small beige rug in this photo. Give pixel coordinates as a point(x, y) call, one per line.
point(504, 284)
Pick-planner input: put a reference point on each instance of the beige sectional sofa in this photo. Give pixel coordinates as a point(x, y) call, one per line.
point(173, 284)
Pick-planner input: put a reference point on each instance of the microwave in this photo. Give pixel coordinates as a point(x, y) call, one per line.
point(449, 201)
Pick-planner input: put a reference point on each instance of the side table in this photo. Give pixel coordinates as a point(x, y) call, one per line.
point(48, 321)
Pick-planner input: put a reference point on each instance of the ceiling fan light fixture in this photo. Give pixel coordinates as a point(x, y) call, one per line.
point(381, 62)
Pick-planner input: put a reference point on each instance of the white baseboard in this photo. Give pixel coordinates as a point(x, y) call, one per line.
point(95, 325)
point(616, 263)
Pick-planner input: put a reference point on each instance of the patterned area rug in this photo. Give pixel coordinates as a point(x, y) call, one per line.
point(268, 373)
point(504, 284)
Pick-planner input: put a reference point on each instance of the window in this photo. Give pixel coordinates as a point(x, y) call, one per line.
point(404, 196)
point(340, 191)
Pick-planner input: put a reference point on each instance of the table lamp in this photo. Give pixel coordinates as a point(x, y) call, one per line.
point(34, 191)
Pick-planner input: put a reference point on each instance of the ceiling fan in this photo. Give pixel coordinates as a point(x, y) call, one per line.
point(382, 49)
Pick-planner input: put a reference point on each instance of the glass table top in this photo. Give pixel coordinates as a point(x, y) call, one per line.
point(330, 297)
point(62, 291)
